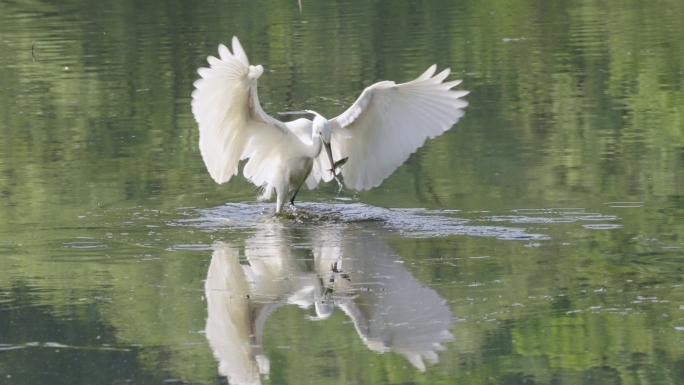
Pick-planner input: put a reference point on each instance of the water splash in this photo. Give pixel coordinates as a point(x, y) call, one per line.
point(418, 223)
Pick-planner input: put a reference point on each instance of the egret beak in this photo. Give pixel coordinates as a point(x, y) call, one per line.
point(332, 163)
point(330, 157)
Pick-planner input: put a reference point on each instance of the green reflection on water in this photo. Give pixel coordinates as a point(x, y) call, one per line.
point(573, 104)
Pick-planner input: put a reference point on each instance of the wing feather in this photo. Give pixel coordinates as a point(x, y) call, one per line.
point(239, 53)
point(231, 121)
point(389, 122)
point(427, 74)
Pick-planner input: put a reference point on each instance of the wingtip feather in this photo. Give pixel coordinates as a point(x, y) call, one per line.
point(441, 76)
point(238, 52)
point(452, 84)
point(224, 53)
point(427, 74)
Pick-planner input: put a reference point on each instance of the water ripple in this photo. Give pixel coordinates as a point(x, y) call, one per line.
point(418, 223)
point(84, 245)
point(560, 215)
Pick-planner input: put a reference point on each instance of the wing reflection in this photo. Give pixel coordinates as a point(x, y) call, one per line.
point(324, 268)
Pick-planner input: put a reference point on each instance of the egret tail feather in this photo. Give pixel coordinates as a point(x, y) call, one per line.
point(266, 193)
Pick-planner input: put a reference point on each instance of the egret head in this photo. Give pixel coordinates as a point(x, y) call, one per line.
point(322, 128)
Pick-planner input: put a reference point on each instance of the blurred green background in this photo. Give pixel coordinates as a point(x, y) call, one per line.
point(574, 104)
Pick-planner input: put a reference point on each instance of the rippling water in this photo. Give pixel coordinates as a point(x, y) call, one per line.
point(538, 241)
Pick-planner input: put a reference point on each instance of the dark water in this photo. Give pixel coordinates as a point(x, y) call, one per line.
point(537, 242)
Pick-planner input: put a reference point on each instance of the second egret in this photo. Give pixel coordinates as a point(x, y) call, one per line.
point(385, 125)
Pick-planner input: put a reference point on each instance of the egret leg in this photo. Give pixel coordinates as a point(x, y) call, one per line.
point(279, 205)
point(294, 195)
point(281, 195)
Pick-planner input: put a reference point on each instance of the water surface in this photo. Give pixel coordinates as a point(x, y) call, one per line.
point(538, 241)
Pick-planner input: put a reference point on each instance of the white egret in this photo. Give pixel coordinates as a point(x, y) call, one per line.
point(385, 125)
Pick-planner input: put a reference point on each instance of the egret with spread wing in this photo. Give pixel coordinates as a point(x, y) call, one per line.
point(385, 125)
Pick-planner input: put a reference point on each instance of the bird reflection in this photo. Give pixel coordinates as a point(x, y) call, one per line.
point(321, 268)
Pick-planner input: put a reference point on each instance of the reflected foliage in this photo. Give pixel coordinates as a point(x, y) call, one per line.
point(29, 356)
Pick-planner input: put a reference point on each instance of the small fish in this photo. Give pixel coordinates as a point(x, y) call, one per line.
point(338, 164)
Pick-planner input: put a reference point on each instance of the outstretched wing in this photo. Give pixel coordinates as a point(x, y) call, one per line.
point(232, 124)
point(391, 121)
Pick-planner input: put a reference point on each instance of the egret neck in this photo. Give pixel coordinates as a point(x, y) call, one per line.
point(322, 130)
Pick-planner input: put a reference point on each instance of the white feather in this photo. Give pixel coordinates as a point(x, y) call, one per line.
point(389, 122)
point(385, 125)
point(233, 126)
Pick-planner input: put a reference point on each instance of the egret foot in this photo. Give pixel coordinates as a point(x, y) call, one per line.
point(293, 196)
point(292, 206)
